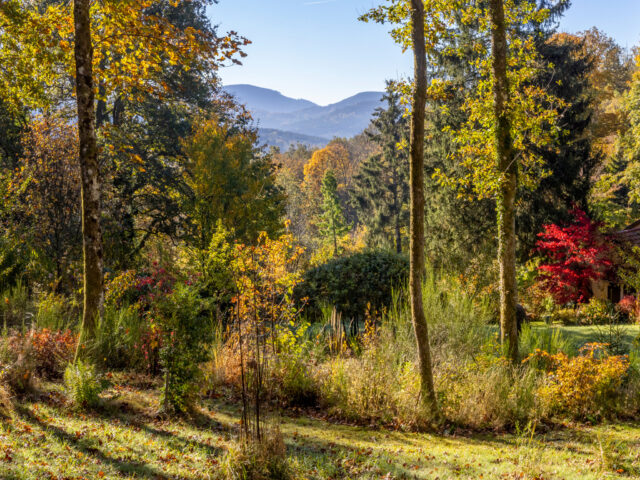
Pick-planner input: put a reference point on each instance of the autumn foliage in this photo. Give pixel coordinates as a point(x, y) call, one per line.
point(574, 256)
point(583, 385)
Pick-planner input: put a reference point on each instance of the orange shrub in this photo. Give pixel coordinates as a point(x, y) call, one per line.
point(584, 386)
point(52, 351)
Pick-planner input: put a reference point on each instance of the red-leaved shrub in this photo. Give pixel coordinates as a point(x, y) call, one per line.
point(52, 351)
point(629, 306)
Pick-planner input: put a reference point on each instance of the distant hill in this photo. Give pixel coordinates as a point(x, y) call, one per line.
point(263, 99)
point(282, 139)
point(281, 117)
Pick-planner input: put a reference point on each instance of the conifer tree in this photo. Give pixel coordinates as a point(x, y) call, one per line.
point(332, 222)
point(381, 187)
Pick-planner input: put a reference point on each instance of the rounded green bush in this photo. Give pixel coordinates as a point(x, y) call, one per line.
point(353, 282)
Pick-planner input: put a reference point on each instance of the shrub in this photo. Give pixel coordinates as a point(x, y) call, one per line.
point(52, 351)
point(597, 312)
point(565, 316)
point(288, 372)
point(120, 290)
point(265, 459)
point(185, 331)
point(18, 365)
point(83, 384)
point(585, 386)
point(352, 282)
point(130, 334)
point(44, 352)
point(574, 256)
point(628, 306)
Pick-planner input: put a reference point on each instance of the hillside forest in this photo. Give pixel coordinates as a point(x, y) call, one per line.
point(450, 293)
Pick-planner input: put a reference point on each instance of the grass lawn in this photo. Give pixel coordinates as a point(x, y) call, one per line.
point(46, 440)
point(579, 335)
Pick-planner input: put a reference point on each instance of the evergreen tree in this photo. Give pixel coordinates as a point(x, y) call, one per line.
point(457, 225)
point(571, 160)
point(332, 222)
point(381, 188)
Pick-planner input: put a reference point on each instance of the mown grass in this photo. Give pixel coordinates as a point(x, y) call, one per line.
point(124, 440)
point(590, 333)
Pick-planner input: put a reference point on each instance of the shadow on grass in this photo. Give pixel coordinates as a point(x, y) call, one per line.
point(348, 460)
point(81, 445)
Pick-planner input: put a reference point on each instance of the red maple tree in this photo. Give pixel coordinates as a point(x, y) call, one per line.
point(574, 256)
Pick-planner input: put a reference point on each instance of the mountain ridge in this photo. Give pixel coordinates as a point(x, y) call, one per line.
point(282, 117)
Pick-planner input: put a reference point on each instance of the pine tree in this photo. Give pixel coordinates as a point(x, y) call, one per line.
point(381, 188)
point(332, 222)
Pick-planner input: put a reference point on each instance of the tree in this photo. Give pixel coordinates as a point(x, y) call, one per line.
point(509, 119)
point(531, 113)
point(44, 210)
point(457, 223)
point(617, 191)
point(380, 190)
point(332, 222)
point(335, 157)
point(416, 168)
point(229, 180)
point(610, 78)
point(570, 160)
point(508, 169)
point(574, 256)
point(415, 22)
point(141, 135)
point(294, 159)
point(89, 171)
point(48, 42)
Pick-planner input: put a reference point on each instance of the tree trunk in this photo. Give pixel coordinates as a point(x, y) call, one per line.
point(508, 169)
point(398, 234)
point(416, 247)
point(88, 156)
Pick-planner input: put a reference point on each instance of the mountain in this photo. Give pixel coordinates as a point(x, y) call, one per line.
point(282, 139)
point(283, 118)
point(263, 99)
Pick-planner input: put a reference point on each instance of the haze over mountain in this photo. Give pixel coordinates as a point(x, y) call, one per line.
point(283, 120)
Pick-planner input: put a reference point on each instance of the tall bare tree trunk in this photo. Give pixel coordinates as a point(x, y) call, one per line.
point(508, 168)
point(416, 246)
point(398, 234)
point(92, 237)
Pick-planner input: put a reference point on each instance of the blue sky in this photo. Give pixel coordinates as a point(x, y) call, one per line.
point(316, 49)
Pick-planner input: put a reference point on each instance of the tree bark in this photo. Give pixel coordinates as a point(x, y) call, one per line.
point(398, 234)
point(416, 246)
point(88, 157)
point(508, 170)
